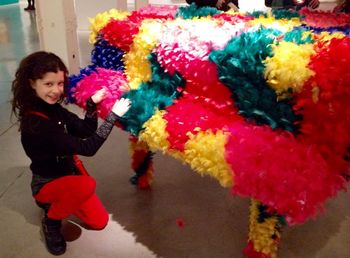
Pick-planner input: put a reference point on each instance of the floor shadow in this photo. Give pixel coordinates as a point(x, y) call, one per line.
point(308, 239)
point(71, 230)
point(183, 214)
point(186, 215)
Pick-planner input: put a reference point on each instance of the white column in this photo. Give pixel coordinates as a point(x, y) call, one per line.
point(122, 5)
point(327, 5)
point(57, 27)
point(86, 9)
point(140, 3)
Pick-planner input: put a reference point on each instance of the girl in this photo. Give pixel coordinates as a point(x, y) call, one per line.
point(50, 136)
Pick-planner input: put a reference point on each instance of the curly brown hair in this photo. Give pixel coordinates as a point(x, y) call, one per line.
point(31, 68)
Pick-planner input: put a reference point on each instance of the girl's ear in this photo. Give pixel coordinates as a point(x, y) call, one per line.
point(32, 84)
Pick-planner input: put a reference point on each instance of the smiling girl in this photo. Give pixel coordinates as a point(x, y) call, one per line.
point(51, 136)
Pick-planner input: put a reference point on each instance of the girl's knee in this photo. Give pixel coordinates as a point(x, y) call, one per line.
point(101, 223)
point(89, 182)
point(87, 185)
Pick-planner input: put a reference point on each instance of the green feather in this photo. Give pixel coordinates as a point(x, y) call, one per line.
point(241, 68)
point(191, 11)
point(158, 93)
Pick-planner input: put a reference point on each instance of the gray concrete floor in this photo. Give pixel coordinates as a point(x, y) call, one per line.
point(143, 223)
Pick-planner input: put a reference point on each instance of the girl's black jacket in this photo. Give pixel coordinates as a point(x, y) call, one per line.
point(51, 135)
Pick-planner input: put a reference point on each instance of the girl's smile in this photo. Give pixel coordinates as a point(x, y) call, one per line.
point(50, 88)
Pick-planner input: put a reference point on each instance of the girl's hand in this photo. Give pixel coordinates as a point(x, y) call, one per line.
point(99, 95)
point(121, 106)
point(339, 7)
point(219, 3)
point(233, 6)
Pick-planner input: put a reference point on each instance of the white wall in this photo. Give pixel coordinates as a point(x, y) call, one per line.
point(167, 1)
point(57, 29)
point(89, 8)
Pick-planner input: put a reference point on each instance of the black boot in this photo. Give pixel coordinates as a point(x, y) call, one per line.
point(55, 242)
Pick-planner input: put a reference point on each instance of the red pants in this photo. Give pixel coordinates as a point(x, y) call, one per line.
point(74, 195)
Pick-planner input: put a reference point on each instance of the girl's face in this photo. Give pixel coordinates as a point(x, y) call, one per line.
point(49, 88)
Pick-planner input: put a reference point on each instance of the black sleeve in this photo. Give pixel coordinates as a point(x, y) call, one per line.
point(285, 3)
point(66, 144)
point(268, 3)
point(82, 127)
point(289, 3)
point(201, 3)
point(235, 2)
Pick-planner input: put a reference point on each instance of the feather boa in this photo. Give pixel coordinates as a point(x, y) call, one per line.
point(258, 101)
